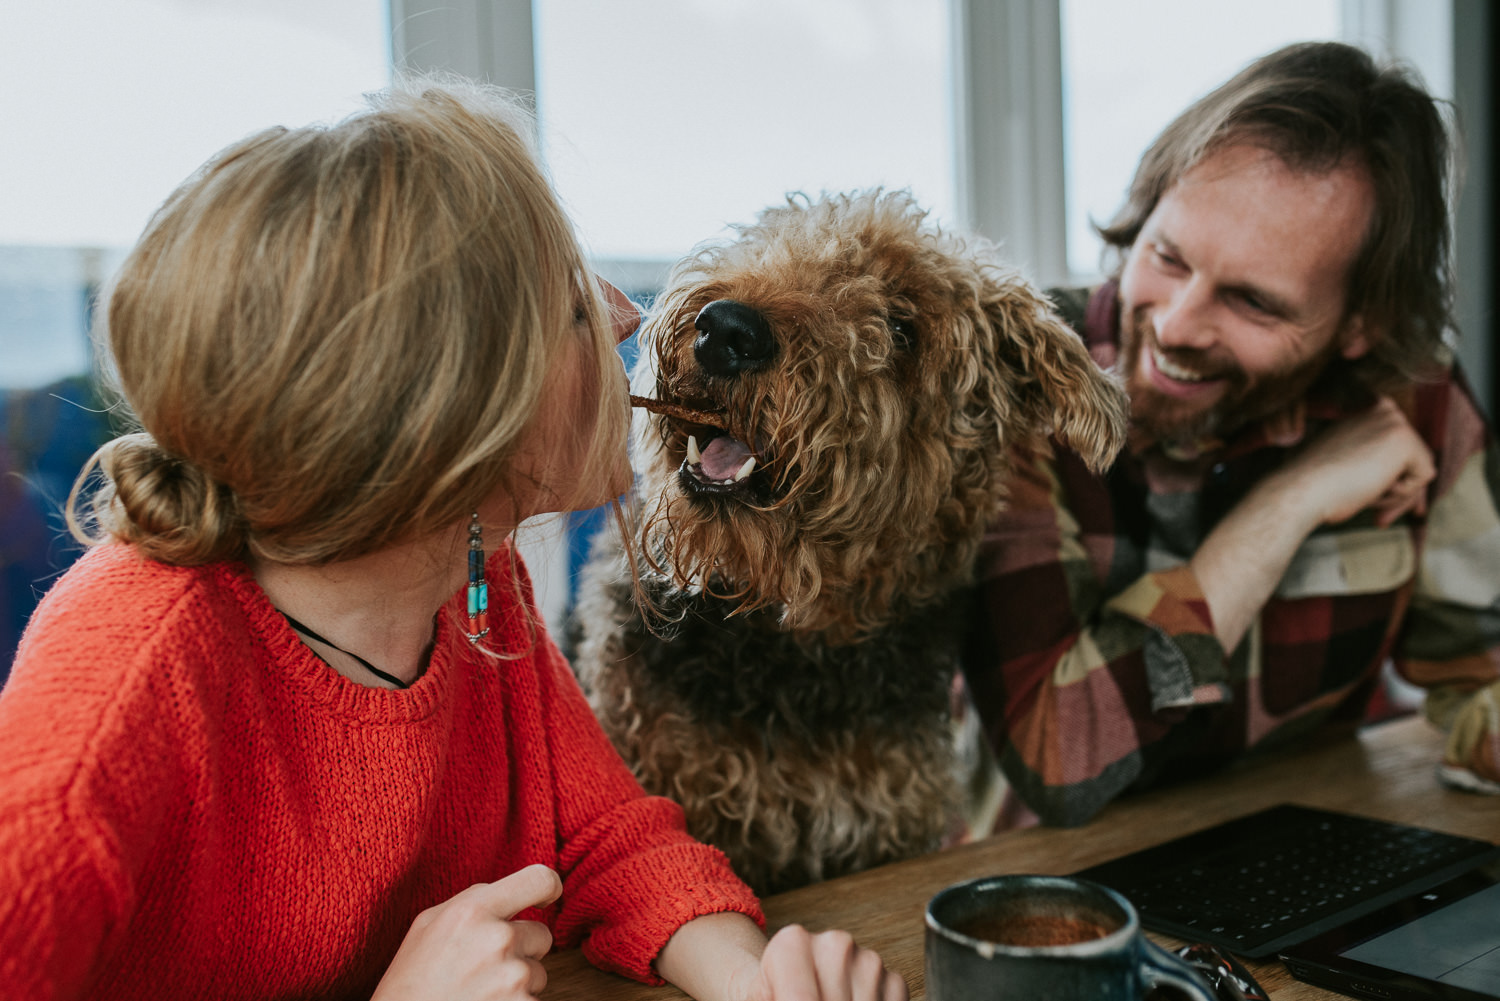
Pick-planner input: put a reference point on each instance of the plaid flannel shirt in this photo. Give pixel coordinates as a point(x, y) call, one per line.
point(1095, 668)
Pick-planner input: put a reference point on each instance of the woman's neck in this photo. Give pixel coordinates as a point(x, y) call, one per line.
point(380, 608)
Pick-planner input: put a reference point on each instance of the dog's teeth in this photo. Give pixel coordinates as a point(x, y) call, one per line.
point(745, 470)
point(694, 457)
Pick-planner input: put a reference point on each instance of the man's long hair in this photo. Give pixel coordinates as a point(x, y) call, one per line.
point(1318, 106)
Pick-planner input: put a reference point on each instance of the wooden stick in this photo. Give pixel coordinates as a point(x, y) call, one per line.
point(678, 411)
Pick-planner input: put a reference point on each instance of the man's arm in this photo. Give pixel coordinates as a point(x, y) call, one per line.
point(1374, 460)
point(1080, 665)
point(1084, 680)
point(1450, 639)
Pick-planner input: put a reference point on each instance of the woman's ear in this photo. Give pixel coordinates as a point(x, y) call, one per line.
point(1062, 389)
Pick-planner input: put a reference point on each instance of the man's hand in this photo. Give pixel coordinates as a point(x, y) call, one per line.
point(1373, 460)
point(468, 947)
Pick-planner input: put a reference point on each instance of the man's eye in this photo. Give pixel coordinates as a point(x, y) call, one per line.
point(1167, 259)
point(1254, 303)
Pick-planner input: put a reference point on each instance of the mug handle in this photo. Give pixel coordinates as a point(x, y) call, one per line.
point(1162, 969)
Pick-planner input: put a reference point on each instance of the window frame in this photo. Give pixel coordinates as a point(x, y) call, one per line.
point(1009, 154)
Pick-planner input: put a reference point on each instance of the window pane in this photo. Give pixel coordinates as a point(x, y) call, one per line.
point(1128, 69)
point(665, 120)
point(122, 100)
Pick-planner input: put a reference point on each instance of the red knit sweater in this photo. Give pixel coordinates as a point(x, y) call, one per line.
point(193, 805)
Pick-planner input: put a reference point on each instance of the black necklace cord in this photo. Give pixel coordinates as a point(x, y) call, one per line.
point(383, 676)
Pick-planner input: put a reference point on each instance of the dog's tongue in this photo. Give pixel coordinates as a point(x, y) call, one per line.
point(723, 457)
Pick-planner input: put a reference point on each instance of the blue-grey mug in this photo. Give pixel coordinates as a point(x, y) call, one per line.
point(1054, 937)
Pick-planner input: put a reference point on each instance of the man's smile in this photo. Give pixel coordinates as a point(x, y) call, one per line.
point(1172, 379)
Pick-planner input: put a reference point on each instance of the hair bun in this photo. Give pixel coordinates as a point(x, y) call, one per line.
point(168, 508)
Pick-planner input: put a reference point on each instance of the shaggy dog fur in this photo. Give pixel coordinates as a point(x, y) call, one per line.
point(782, 667)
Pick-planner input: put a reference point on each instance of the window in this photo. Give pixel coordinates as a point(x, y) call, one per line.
point(125, 98)
point(109, 105)
point(666, 120)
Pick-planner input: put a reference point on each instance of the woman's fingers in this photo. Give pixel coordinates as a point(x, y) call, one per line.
point(471, 947)
point(828, 966)
point(533, 886)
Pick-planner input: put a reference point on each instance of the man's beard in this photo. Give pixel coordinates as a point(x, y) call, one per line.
point(1245, 399)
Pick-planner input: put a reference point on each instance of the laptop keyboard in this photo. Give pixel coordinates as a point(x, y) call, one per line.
point(1274, 878)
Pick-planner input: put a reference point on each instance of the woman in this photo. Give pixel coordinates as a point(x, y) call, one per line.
point(253, 746)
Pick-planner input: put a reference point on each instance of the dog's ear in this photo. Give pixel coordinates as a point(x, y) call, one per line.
point(1061, 388)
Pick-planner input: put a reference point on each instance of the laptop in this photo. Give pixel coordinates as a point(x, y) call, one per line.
point(1438, 944)
point(1274, 879)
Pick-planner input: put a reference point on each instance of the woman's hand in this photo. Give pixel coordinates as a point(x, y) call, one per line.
point(800, 966)
point(468, 947)
point(724, 957)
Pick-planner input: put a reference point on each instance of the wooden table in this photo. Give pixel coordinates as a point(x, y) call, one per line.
point(1384, 771)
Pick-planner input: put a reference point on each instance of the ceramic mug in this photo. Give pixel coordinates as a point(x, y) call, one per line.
point(1054, 937)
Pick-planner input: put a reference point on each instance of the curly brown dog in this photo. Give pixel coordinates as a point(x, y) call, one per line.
point(838, 387)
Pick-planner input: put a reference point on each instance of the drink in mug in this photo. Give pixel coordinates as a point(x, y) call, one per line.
point(1054, 937)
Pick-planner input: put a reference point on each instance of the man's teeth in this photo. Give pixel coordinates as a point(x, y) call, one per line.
point(1166, 367)
point(694, 457)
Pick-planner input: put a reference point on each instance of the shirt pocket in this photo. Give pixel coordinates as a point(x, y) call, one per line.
point(1351, 561)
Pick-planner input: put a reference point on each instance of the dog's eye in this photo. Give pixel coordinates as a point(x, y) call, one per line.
point(903, 332)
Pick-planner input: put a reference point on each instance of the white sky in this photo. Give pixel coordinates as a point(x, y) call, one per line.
point(105, 105)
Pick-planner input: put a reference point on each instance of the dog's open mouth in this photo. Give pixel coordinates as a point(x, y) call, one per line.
point(721, 465)
point(714, 461)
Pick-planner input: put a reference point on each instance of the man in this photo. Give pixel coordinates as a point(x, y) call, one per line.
point(1310, 489)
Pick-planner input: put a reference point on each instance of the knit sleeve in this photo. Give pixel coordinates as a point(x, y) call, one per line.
point(82, 761)
point(631, 873)
point(57, 900)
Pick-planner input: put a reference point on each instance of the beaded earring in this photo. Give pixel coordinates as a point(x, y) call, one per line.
point(479, 591)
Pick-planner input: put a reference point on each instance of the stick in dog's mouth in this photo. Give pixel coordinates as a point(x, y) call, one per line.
point(677, 410)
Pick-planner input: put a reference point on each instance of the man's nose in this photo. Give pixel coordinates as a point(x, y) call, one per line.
point(1186, 319)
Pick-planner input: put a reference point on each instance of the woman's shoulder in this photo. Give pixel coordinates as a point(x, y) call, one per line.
point(116, 603)
point(118, 577)
point(110, 705)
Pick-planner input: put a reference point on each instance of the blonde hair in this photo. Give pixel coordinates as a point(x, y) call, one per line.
point(333, 336)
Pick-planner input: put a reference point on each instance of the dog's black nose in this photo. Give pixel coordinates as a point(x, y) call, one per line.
point(732, 339)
